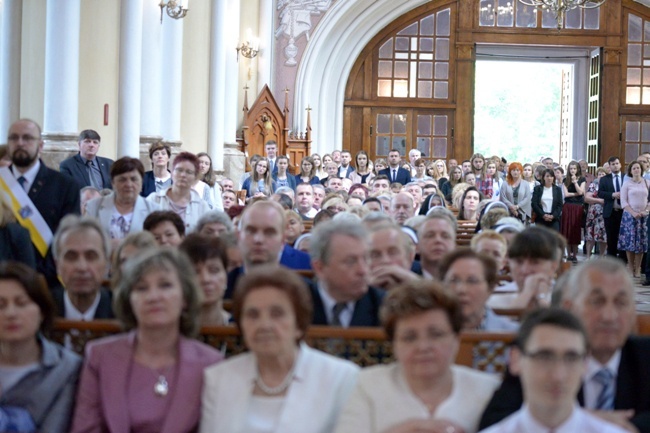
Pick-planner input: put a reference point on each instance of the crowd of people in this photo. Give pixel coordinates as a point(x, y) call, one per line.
point(160, 251)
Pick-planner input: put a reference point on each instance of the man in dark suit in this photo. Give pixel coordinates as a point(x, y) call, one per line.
point(261, 242)
point(341, 294)
point(53, 195)
point(86, 168)
point(617, 383)
point(271, 149)
point(81, 252)
point(345, 169)
point(394, 171)
point(609, 188)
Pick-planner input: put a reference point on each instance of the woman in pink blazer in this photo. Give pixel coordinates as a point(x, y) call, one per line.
point(150, 379)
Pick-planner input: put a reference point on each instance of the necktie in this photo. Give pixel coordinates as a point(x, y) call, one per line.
point(605, 400)
point(337, 309)
point(94, 175)
point(394, 175)
point(22, 181)
point(271, 165)
point(618, 188)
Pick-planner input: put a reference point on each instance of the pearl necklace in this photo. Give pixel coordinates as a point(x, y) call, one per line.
point(275, 390)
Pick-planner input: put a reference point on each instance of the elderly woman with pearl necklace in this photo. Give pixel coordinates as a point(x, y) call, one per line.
point(280, 385)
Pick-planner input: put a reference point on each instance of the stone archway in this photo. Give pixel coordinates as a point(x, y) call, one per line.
point(332, 51)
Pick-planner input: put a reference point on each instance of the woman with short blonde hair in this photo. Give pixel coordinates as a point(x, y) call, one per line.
point(419, 317)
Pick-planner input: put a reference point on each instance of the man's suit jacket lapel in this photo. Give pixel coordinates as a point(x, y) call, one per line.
point(105, 172)
point(633, 379)
point(627, 379)
point(319, 317)
point(104, 308)
point(82, 170)
point(365, 311)
point(39, 182)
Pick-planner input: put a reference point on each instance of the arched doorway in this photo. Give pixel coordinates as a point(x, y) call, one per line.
point(411, 86)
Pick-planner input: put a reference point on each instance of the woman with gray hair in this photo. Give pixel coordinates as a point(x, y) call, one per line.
point(150, 378)
point(215, 223)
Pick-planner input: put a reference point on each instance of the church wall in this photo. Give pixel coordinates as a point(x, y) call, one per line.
point(196, 72)
point(98, 70)
point(32, 68)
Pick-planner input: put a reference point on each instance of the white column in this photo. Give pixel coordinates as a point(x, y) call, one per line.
point(232, 73)
point(151, 80)
point(216, 106)
point(267, 38)
point(61, 105)
point(172, 76)
point(128, 122)
point(11, 17)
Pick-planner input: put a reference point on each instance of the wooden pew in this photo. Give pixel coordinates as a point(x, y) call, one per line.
point(241, 196)
point(465, 233)
point(308, 224)
point(643, 324)
point(363, 345)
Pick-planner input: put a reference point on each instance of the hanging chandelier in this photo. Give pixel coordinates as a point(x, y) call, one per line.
point(560, 7)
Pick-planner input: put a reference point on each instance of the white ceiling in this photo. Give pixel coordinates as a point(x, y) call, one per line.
point(644, 2)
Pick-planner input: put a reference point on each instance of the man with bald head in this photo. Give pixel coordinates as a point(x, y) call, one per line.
point(414, 155)
point(261, 241)
point(616, 385)
point(436, 237)
point(44, 194)
point(415, 190)
point(391, 256)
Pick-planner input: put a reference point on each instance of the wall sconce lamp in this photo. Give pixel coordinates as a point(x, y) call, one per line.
point(249, 48)
point(176, 9)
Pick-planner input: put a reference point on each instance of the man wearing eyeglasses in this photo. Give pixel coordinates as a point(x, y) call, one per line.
point(44, 195)
point(600, 292)
point(550, 359)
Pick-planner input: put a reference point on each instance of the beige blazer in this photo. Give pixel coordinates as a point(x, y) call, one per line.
point(102, 208)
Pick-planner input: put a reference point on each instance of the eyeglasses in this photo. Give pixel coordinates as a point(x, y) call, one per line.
point(25, 137)
point(182, 170)
point(549, 359)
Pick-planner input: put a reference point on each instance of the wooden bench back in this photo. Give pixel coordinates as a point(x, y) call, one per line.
point(465, 233)
point(361, 345)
